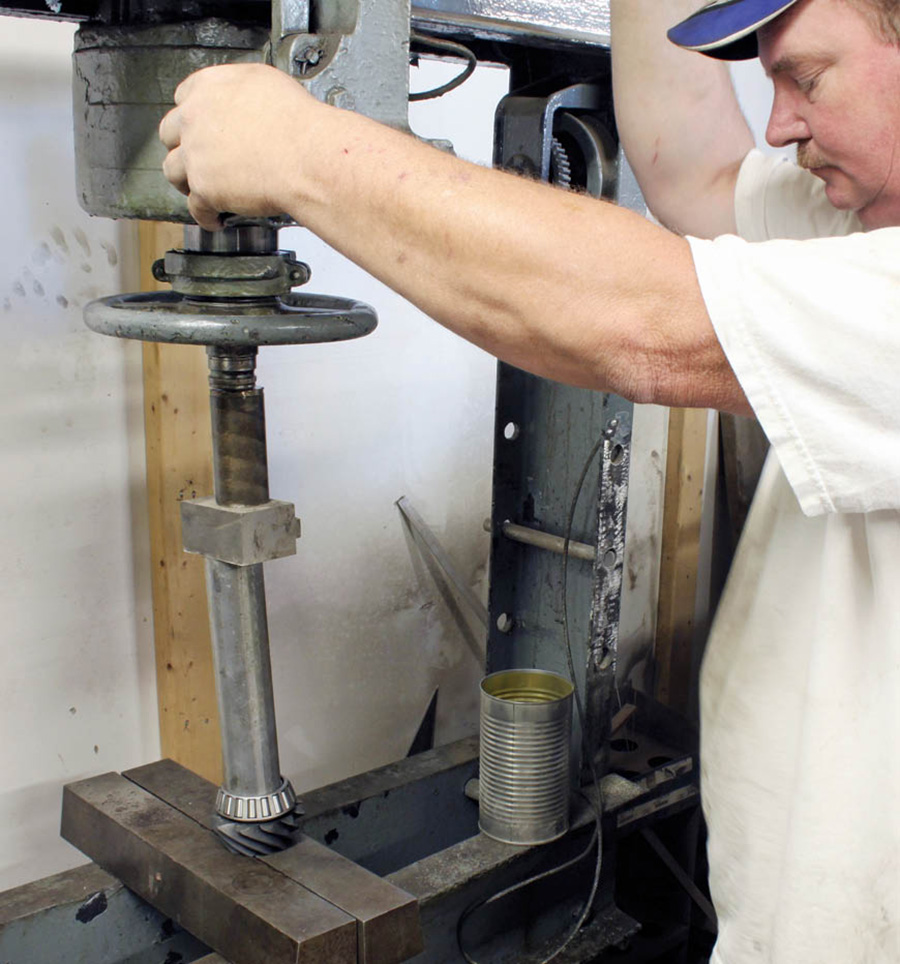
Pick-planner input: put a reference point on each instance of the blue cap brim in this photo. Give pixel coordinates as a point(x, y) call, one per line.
point(726, 29)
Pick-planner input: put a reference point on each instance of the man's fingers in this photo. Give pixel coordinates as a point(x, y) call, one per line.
point(174, 170)
point(170, 129)
point(184, 88)
point(207, 217)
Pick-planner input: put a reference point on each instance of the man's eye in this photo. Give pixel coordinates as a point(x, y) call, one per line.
point(807, 85)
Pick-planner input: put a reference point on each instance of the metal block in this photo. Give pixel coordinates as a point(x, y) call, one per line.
point(388, 928)
point(241, 535)
point(244, 909)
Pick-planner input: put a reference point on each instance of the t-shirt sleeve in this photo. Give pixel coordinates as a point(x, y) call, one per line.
point(774, 198)
point(812, 331)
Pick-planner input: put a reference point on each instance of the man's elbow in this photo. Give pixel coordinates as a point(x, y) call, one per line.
point(668, 367)
point(700, 204)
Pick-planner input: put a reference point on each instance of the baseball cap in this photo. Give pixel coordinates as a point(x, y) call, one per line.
point(726, 29)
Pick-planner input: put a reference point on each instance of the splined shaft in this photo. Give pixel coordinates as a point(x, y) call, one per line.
point(240, 464)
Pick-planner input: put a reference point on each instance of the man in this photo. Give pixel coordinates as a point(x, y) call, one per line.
point(800, 711)
point(800, 684)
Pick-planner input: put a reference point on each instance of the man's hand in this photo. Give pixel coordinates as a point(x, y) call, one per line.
point(234, 137)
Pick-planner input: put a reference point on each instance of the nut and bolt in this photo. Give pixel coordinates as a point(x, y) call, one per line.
point(307, 58)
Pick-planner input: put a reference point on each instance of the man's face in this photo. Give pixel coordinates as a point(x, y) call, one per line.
point(837, 97)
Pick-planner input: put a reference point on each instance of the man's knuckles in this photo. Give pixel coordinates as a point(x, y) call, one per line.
point(174, 169)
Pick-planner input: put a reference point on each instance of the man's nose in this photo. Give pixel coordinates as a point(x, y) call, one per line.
point(786, 124)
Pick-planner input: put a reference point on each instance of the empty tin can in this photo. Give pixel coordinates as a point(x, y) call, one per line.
point(524, 781)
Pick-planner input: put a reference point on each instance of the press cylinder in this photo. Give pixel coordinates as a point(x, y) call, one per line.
point(524, 781)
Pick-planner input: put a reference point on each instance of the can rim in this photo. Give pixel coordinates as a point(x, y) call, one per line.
point(542, 686)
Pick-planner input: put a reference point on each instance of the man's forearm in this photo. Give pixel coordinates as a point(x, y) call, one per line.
point(678, 118)
point(562, 285)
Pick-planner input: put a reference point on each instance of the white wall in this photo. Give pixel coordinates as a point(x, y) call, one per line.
point(77, 693)
point(754, 92)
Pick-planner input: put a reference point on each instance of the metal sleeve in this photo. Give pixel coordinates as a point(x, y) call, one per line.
point(239, 447)
point(243, 677)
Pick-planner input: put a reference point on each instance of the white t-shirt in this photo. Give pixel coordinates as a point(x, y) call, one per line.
point(800, 690)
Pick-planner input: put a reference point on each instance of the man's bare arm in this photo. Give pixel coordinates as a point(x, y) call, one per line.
point(565, 286)
point(678, 117)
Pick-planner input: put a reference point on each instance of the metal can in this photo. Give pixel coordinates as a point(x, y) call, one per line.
point(524, 781)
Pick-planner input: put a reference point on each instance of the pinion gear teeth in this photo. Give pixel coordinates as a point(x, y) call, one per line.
point(560, 164)
point(260, 839)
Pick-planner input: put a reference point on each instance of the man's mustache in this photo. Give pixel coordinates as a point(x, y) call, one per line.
point(809, 158)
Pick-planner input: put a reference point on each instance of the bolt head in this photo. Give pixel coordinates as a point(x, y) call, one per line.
point(308, 55)
point(341, 98)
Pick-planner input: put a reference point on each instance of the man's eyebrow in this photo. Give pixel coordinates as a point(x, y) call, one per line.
point(790, 64)
point(784, 65)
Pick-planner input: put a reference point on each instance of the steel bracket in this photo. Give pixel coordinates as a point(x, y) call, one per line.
point(306, 36)
point(242, 535)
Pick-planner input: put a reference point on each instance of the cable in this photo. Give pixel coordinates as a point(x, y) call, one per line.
point(520, 885)
point(593, 804)
point(450, 47)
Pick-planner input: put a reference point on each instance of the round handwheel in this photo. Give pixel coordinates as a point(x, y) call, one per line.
point(292, 319)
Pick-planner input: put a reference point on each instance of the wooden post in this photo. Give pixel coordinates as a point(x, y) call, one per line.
point(680, 555)
point(179, 466)
point(744, 451)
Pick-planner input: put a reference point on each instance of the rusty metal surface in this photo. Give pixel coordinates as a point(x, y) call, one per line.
point(243, 908)
point(397, 814)
point(576, 22)
point(70, 887)
point(609, 568)
point(86, 916)
point(125, 78)
point(239, 445)
point(394, 776)
point(455, 869)
point(387, 918)
point(525, 927)
point(452, 880)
